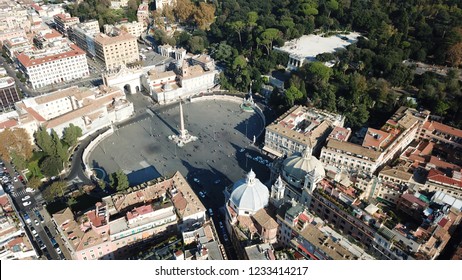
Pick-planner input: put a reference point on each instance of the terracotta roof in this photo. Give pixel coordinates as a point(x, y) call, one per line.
point(264, 219)
point(142, 210)
point(27, 61)
point(432, 125)
point(411, 198)
point(376, 139)
point(442, 164)
point(36, 7)
point(439, 177)
point(52, 34)
point(340, 133)
point(35, 115)
point(8, 124)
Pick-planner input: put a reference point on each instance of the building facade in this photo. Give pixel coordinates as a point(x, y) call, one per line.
point(116, 50)
point(8, 93)
point(52, 66)
point(299, 128)
point(64, 22)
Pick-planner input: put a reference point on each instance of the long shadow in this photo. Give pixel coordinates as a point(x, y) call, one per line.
point(143, 175)
point(174, 130)
point(246, 161)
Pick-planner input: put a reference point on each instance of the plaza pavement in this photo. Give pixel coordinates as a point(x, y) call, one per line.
point(141, 148)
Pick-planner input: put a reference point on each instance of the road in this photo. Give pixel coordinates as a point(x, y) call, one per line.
point(39, 218)
point(12, 72)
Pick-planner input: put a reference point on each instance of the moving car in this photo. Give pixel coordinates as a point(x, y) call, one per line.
point(25, 198)
point(27, 203)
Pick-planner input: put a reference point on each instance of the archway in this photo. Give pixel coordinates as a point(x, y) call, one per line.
point(127, 89)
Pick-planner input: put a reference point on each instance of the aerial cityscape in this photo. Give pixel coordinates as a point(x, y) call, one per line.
point(230, 130)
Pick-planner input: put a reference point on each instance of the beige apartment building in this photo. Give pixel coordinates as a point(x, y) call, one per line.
point(299, 128)
point(116, 50)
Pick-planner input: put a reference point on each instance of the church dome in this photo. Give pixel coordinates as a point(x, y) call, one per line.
point(249, 195)
point(297, 166)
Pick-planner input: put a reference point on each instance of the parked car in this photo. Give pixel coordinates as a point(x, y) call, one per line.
point(25, 198)
point(210, 212)
point(30, 190)
point(27, 203)
point(201, 194)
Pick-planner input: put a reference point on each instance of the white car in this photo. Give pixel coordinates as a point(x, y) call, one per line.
point(34, 232)
point(221, 225)
point(15, 179)
point(27, 203)
point(25, 198)
point(196, 180)
point(36, 223)
point(201, 194)
point(58, 250)
point(30, 190)
point(210, 212)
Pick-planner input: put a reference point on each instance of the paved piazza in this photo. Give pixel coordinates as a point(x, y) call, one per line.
point(222, 152)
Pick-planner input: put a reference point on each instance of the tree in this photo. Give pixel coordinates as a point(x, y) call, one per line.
point(204, 15)
point(293, 95)
point(34, 183)
point(167, 12)
point(44, 140)
point(183, 9)
point(121, 181)
point(71, 201)
point(318, 73)
point(15, 141)
point(19, 161)
point(252, 18)
point(196, 44)
point(51, 166)
point(454, 54)
point(71, 134)
point(58, 149)
point(237, 27)
point(55, 190)
point(267, 38)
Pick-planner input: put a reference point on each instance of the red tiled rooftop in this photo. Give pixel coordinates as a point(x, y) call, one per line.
point(439, 177)
point(411, 198)
point(4, 201)
point(142, 210)
point(36, 7)
point(36, 115)
point(432, 125)
point(303, 217)
point(443, 222)
point(16, 241)
point(28, 62)
point(8, 124)
point(443, 164)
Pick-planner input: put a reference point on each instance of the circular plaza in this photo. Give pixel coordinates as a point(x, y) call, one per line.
point(222, 154)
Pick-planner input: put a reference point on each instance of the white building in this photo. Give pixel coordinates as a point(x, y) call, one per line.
point(89, 109)
point(168, 86)
point(306, 48)
point(52, 66)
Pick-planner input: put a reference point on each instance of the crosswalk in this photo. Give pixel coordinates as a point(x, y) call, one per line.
point(20, 193)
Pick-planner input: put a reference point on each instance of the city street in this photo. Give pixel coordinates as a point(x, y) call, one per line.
point(34, 217)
